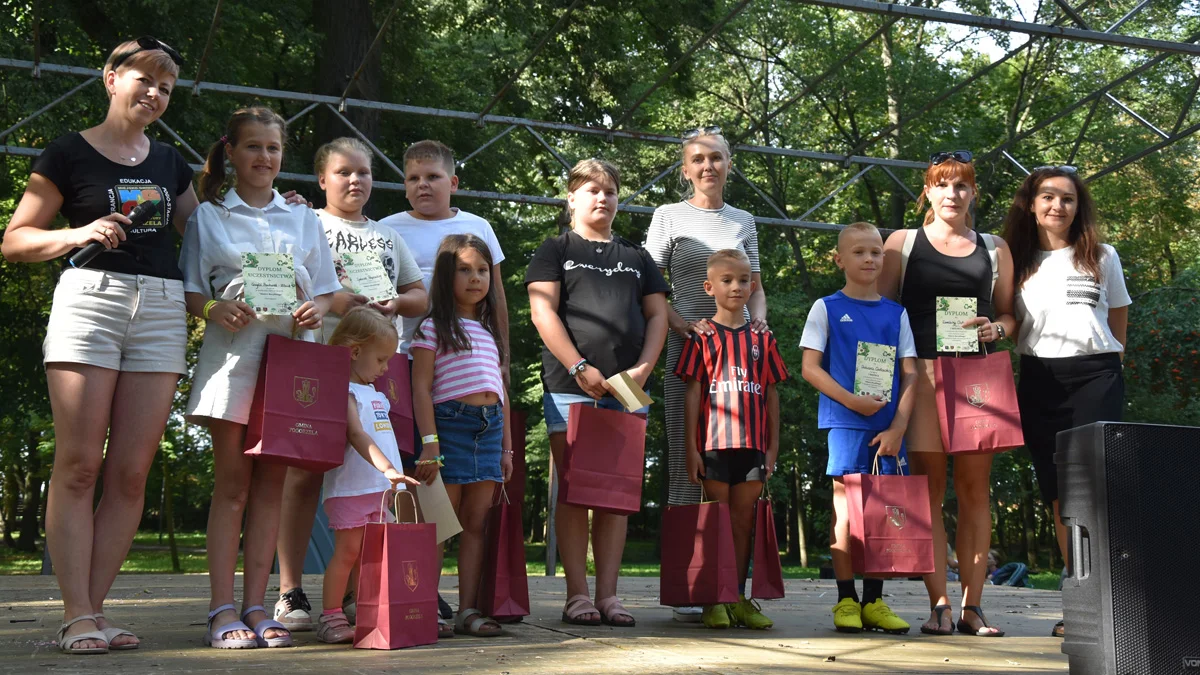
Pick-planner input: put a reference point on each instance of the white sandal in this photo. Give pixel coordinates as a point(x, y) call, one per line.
point(66, 643)
point(112, 633)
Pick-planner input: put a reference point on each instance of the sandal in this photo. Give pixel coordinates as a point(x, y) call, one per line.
point(1058, 631)
point(445, 630)
point(112, 633)
point(216, 638)
point(267, 624)
point(577, 606)
point(67, 642)
point(610, 608)
point(985, 630)
point(940, 610)
point(474, 626)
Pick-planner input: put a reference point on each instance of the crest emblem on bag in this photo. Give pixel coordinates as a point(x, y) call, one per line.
point(391, 392)
point(305, 391)
point(411, 579)
point(978, 395)
point(896, 516)
point(754, 351)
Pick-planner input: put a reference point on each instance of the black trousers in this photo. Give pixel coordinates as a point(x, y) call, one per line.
point(1060, 394)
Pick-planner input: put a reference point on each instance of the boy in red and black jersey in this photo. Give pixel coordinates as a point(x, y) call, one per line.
point(732, 416)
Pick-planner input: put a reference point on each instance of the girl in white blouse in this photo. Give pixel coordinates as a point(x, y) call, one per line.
point(251, 217)
point(1072, 308)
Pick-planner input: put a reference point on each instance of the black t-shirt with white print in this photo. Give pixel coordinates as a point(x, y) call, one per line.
point(600, 302)
point(93, 186)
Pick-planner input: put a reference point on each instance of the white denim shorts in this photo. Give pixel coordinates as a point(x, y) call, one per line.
point(125, 322)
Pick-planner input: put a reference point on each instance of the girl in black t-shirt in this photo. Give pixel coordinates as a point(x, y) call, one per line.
point(117, 334)
point(600, 306)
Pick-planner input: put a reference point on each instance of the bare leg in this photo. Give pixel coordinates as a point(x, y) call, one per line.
point(933, 466)
point(972, 485)
point(301, 496)
point(347, 545)
point(231, 487)
point(472, 513)
point(839, 533)
point(258, 546)
point(80, 400)
point(571, 528)
point(140, 408)
point(743, 498)
point(608, 546)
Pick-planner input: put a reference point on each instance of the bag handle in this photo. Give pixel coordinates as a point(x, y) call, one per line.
point(503, 495)
point(899, 466)
point(396, 504)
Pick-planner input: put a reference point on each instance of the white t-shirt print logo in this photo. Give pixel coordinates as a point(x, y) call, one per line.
point(606, 271)
point(1083, 290)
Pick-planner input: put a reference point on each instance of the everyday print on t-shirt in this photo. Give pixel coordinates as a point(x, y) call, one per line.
point(124, 197)
point(1083, 290)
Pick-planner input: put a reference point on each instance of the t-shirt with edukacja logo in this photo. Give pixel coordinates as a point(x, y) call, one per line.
point(602, 286)
point(93, 186)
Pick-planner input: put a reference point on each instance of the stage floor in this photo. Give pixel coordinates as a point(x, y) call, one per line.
point(168, 611)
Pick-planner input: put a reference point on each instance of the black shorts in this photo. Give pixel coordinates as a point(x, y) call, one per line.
point(735, 466)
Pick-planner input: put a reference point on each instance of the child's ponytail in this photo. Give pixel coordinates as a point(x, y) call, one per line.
point(213, 177)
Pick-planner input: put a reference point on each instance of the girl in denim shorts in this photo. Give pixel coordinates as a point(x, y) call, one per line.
point(460, 405)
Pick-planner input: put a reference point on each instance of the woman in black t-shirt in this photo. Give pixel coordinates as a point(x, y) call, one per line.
point(600, 306)
point(117, 334)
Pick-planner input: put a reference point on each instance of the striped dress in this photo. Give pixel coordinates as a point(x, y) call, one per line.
point(680, 239)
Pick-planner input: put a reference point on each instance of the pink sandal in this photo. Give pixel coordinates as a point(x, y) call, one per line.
point(577, 606)
point(610, 608)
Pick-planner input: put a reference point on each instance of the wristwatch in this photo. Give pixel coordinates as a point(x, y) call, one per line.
point(578, 368)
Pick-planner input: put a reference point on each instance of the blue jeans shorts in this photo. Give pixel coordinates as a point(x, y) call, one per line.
point(555, 408)
point(849, 453)
point(471, 439)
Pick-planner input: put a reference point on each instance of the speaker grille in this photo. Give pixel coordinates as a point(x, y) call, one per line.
point(1154, 539)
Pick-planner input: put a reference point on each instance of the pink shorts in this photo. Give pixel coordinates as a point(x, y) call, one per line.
point(347, 513)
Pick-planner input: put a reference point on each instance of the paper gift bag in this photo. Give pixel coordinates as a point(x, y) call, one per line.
point(516, 484)
point(437, 509)
point(298, 415)
point(396, 384)
point(977, 404)
point(397, 586)
point(767, 582)
point(698, 562)
point(604, 463)
point(891, 530)
point(504, 588)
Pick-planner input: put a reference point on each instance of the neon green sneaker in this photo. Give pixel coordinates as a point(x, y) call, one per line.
point(878, 616)
point(715, 616)
point(847, 616)
point(748, 613)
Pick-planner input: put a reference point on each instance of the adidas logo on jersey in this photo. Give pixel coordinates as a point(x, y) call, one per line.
point(846, 319)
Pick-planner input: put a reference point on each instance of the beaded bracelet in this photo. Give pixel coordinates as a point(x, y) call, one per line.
point(436, 460)
point(208, 306)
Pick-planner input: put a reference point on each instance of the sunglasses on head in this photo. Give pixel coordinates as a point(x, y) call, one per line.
point(963, 156)
point(149, 44)
point(1065, 168)
point(701, 131)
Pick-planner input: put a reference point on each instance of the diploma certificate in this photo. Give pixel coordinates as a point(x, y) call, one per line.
point(270, 280)
point(367, 276)
point(874, 370)
point(951, 314)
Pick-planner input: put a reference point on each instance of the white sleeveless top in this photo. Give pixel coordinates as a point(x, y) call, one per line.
point(356, 476)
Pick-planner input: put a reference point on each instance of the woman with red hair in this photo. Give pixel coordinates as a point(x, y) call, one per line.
point(945, 258)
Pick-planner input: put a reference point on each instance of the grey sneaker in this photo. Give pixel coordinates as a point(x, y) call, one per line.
point(293, 611)
point(350, 609)
point(688, 614)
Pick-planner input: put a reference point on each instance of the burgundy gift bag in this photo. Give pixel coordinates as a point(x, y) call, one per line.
point(977, 404)
point(605, 460)
point(396, 384)
point(698, 562)
point(891, 530)
point(504, 589)
point(397, 585)
point(767, 582)
point(298, 416)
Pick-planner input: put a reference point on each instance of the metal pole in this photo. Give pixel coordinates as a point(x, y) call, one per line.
point(561, 160)
point(179, 140)
point(493, 139)
point(361, 66)
point(46, 107)
point(363, 137)
point(212, 29)
point(1087, 121)
point(835, 193)
point(1014, 161)
point(1187, 107)
point(1142, 153)
point(551, 533)
point(562, 21)
point(652, 183)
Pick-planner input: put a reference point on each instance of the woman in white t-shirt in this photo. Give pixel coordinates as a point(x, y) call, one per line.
point(1073, 308)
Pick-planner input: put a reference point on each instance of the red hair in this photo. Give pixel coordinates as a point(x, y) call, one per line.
point(948, 171)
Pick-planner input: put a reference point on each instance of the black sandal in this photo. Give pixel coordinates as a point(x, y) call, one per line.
point(1058, 630)
point(965, 628)
point(940, 609)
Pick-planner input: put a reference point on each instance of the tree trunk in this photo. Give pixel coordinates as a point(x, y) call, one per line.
point(795, 539)
point(896, 205)
point(1028, 529)
point(348, 28)
point(32, 499)
point(11, 488)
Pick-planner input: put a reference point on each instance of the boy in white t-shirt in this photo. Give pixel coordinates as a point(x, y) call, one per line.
point(429, 182)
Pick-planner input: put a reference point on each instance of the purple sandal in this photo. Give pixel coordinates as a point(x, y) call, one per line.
point(216, 638)
point(265, 625)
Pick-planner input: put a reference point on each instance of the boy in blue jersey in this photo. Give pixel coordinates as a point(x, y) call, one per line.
point(856, 321)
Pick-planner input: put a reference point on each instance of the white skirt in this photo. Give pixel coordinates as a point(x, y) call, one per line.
point(227, 369)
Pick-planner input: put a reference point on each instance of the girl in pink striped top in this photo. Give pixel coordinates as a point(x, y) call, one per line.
point(460, 406)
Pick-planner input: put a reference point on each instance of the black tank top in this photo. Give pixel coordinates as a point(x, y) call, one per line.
point(930, 274)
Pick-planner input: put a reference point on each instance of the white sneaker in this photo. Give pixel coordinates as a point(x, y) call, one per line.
point(688, 614)
point(293, 611)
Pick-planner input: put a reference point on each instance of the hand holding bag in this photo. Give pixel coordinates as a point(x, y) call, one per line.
point(977, 404)
point(891, 531)
point(605, 460)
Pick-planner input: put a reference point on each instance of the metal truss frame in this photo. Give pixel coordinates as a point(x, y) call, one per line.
point(617, 130)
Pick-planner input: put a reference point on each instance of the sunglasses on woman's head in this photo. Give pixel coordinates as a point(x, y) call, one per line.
point(1065, 168)
point(149, 44)
point(701, 131)
point(963, 156)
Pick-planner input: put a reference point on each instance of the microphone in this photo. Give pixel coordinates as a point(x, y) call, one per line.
point(138, 216)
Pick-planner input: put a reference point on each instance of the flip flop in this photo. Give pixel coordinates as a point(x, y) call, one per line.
point(611, 608)
point(965, 628)
point(577, 606)
point(445, 630)
point(112, 633)
point(940, 610)
point(67, 642)
point(265, 625)
point(216, 638)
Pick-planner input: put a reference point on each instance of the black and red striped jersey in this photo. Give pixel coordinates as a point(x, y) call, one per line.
point(734, 367)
